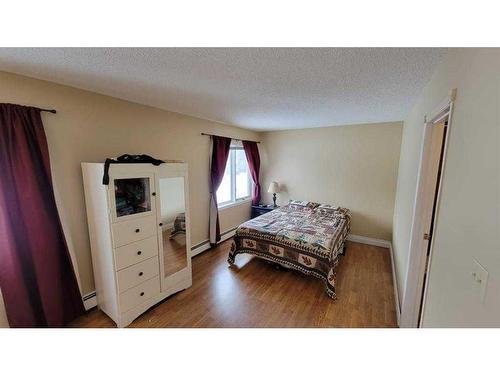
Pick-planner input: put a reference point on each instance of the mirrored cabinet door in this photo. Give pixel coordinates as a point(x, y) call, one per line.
point(173, 223)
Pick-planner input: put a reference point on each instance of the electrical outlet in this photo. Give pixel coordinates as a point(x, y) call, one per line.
point(480, 279)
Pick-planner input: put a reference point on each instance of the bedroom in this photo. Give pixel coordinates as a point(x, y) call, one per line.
point(242, 188)
point(361, 156)
point(353, 166)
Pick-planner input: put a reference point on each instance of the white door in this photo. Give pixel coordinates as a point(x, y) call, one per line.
point(433, 180)
point(426, 210)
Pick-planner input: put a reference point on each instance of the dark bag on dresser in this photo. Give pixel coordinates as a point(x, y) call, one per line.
point(128, 159)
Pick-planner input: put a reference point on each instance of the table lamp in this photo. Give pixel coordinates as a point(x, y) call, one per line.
point(274, 188)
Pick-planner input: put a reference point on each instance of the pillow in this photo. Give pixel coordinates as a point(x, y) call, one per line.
point(302, 205)
point(328, 209)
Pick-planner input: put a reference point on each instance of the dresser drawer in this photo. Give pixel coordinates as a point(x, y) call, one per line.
point(137, 274)
point(139, 294)
point(136, 252)
point(129, 231)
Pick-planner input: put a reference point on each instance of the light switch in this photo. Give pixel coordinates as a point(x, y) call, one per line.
point(479, 278)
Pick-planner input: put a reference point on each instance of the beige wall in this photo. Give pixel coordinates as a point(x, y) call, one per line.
point(3, 315)
point(91, 127)
point(468, 225)
point(353, 166)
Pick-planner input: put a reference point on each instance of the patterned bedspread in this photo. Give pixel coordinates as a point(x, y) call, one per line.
point(306, 239)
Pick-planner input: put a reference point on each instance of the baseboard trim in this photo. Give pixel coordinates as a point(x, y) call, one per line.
point(205, 245)
point(369, 240)
point(89, 300)
point(395, 283)
point(388, 245)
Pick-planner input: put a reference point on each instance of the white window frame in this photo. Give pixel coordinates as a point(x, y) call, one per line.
point(232, 165)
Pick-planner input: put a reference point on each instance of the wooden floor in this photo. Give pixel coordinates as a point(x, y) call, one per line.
point(174, 252)
point(255, 294)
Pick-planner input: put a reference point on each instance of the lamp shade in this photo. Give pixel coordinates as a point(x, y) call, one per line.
point(274, 187)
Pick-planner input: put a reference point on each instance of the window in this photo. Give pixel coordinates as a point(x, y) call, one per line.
point(236, 184)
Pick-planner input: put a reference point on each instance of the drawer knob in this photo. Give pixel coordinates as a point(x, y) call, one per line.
point(153, 194)
point(139, 252)
point(142, 293)
point(141, 273)
point(137, 230)
point(161, 224)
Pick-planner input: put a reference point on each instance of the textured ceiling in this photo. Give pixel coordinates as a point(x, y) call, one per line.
point(257, 88)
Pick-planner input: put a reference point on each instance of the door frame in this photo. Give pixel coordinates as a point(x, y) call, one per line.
point(411, 310)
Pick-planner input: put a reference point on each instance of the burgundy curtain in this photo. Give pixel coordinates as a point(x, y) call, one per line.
point(37, 279)
point(220, 153)
point(253, 159)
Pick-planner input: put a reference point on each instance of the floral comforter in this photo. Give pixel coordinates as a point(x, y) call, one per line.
point(307, 240)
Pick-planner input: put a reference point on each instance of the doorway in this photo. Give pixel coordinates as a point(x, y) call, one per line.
point(438, 139)
point(426, 211)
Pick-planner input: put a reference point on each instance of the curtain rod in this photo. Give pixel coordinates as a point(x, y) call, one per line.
point(236, 139)
point(47, 110)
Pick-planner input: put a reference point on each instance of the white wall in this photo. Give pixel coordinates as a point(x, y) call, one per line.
point(468, 220)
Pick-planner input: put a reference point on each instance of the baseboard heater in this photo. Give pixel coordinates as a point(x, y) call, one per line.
point(88, 296)
point(205, 245)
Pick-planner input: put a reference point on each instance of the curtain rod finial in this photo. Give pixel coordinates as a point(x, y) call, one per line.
point(48, 110)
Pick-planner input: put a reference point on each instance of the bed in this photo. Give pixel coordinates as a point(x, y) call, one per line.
point(305, 236)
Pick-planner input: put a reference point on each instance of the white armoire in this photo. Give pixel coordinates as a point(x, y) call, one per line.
point(139, 235)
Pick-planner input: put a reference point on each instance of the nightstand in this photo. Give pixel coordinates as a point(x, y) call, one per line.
point(261, 210)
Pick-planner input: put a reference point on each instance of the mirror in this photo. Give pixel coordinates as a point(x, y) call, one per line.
point(174, 224)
